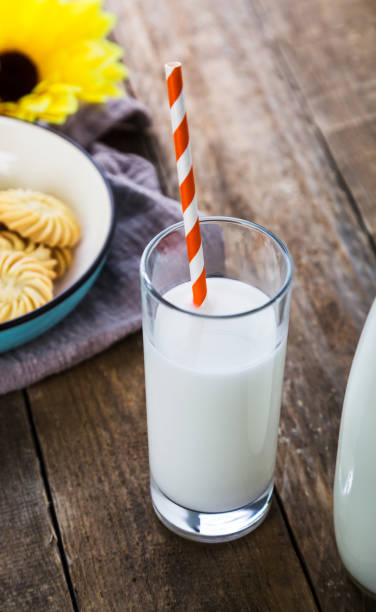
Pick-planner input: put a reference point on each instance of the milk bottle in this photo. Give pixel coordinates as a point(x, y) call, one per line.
point(355, 478)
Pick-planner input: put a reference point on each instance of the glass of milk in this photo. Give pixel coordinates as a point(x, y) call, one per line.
point(214, 376)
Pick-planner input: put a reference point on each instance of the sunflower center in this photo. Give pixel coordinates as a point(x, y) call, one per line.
point(18, 75)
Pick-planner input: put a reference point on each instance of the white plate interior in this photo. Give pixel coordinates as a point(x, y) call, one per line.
point(35, 158)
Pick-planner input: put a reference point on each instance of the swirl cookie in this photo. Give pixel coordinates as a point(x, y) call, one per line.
point(63, 258)
point(44, 256)
point(9, 241)
point(24, 285)
point(38, 216)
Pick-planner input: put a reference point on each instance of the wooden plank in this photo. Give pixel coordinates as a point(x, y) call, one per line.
point(120, 556)
point(258, 154)
point(31, 575)
point(330, 48)
point(354, 150)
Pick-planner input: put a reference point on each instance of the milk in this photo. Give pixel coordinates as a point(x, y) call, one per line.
point(355, 480)
point(213, 390)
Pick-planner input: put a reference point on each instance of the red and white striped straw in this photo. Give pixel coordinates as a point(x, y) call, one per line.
point(186, 181)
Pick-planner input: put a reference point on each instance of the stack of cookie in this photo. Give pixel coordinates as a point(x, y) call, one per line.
point(37, 233)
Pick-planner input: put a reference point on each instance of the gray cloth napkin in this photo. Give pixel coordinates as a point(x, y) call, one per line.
point(112, 308)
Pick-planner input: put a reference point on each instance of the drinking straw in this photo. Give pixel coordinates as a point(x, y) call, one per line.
point(186, 180)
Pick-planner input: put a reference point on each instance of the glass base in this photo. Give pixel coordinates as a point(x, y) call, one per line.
point(210, 526)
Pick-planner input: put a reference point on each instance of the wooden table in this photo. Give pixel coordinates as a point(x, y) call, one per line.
point(282, 103)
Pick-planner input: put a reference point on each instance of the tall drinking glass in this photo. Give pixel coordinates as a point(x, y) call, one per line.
point(214, 376)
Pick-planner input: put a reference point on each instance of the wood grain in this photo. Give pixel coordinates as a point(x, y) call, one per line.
point(259, 154)
point(31, 575)
point(91, 422)
point(330, 48)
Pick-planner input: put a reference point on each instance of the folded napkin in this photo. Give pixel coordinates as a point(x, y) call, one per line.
point(112, 308)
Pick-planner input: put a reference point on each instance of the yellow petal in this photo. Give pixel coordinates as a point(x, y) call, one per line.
point(65, 40)
point(35, 103)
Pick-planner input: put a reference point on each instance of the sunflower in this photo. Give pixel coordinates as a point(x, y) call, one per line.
point(53, 54)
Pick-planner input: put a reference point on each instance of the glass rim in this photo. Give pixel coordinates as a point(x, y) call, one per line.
point(203, 220)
